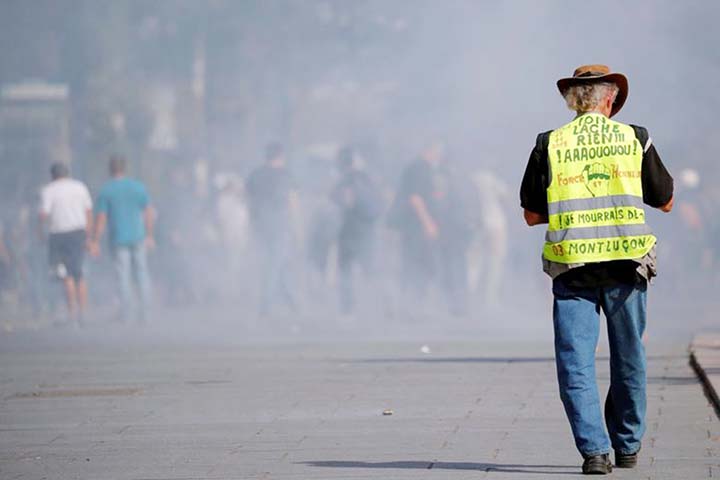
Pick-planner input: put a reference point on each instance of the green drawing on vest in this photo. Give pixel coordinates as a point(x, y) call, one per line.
point(597, 179)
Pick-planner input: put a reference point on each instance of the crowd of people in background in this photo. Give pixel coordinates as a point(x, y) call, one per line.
point(352, 243)
point(355, 243)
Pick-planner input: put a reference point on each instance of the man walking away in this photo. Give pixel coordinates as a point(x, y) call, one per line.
point(66, 209)
point(360, 203)
point(273, 206)
point(588, 180)
point(430, 215)
point(124, 207)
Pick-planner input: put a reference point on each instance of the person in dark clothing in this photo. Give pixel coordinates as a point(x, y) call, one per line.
point(272, 203)
point(360, 204)
point(431, 217)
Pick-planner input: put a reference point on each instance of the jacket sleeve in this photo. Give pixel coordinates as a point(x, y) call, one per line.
point(657, 183)
point(533, 190)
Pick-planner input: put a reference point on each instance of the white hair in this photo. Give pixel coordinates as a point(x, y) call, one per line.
point(585, 97)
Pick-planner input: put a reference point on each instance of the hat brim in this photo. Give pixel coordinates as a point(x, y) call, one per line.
point(617, 78)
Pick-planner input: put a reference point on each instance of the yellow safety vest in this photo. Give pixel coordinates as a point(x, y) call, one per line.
point(595, 204)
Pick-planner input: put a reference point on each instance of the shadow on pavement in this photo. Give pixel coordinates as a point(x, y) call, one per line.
point(485, 359)
point(460, 360)
point(421, 465)
point(673, 381)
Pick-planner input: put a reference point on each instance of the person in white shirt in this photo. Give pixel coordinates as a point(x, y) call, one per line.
point(66, 210)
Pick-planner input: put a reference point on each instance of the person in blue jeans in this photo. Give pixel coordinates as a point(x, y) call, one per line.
point(123, 208)
point(589, 180)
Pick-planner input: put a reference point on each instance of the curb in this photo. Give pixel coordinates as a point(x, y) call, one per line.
point(708, 388)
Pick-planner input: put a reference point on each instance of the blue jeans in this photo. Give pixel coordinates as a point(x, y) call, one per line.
point(576, 319)
point(131, 267)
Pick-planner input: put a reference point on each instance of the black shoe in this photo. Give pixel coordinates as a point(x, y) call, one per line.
point(625, 460)
point(597, 465)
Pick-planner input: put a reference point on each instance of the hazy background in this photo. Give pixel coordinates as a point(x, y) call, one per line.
point(191, 91)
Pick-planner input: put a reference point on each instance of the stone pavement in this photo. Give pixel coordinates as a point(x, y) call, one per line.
point(462, 411)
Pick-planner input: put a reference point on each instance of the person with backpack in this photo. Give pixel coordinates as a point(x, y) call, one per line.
point(360, 202)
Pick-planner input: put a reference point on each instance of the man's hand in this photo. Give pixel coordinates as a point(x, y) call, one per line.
point(150, 243)
point(427, 221)
point(532, 218)
point(93, 248)
point(431, 229)
point(667, 208)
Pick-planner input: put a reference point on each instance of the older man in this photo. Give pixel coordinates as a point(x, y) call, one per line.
point(588, 181)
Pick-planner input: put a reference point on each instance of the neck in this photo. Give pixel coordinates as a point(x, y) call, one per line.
point(598, 111)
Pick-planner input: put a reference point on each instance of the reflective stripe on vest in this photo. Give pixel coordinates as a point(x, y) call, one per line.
point(595, 207)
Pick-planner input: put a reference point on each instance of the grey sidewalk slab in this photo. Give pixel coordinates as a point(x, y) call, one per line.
point(465, 411)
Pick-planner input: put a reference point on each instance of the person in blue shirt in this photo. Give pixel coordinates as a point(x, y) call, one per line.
point(123, 208)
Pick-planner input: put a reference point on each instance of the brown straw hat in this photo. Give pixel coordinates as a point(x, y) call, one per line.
point(597, 73)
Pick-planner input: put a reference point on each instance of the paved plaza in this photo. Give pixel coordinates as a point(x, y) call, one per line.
point(311, 411)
